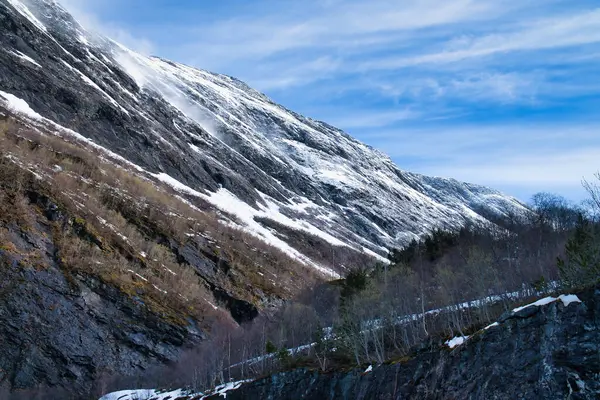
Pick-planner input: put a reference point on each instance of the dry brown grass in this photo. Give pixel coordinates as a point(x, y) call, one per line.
point(115, 216)
point(3, 128)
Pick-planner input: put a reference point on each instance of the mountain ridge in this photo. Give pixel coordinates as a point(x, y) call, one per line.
point(148, 206)
point(216, 135)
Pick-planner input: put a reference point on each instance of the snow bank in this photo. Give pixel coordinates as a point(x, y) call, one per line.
point(175, 184)
point(154, 394)
point(456, 341)
point(145, 394)
point(568, 299)
point(565, 298)
point(540, 302)
point(19, 106)
point(223, 389)
point(491, 326)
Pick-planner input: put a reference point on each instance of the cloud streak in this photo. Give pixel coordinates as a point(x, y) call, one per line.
point(579, 29)
point(525, 159)
point(86, 13)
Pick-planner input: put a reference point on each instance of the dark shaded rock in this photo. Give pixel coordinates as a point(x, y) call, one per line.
point(241, 311)
point(548, 352)
point(58, 329)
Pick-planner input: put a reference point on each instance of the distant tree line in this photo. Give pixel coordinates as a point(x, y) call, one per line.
point(446, 284)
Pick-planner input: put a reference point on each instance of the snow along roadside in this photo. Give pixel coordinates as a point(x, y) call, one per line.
point(565, 298)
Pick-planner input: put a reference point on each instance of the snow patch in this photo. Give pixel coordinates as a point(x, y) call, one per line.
point(565, 298)
point(272, 211)
point(175, 184)
point(338, 175)
point(379, 258)
point(24, 11)
point(137, 394)
point(17, 105)
point(456, 341)
point(138, 275)
point(540, 302)
point(491, 326)
point(25, 57)
point(168, 270)
point(211, 304)
point(159, 289)
point(83, 40)
point(223, 389)
point(229, 203)
point(568, 299)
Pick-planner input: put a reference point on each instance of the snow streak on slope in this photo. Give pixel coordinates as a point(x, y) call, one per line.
point(226, 201)
point(23, 10)
point(222, 199)
point(232, 146)
point(324, 155)
point(16, 105)
point(24, 57)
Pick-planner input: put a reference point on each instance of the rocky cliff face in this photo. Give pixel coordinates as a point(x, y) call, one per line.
point(62, 328)
point(546, 352)
point(305, 195)
point(268, 168)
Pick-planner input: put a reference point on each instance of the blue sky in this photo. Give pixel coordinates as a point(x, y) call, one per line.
point(496, 92)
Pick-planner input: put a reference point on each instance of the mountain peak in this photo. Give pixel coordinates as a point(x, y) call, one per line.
point(211, 135)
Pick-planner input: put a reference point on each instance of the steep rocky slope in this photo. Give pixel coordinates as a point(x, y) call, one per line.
point(59, 330)
point(78, 299)
point(213, 136)
point(103, 271)
point(140, 199)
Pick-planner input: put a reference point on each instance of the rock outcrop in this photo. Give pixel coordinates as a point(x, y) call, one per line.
point(67, 329)
point(546, 352)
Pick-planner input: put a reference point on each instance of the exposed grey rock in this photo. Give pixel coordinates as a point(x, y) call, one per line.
point(63, 330)
point(213, 132)
point(547, 352)
point(210, 132)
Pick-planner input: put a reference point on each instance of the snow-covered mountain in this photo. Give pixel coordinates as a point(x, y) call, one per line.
point(269, 170)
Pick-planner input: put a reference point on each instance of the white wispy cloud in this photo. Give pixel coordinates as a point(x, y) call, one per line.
point(527, 158)
point(373, 119)
point(480, 141)
point(572, 30)
point(85, 12)
point(338, 25)
point(489, 86)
